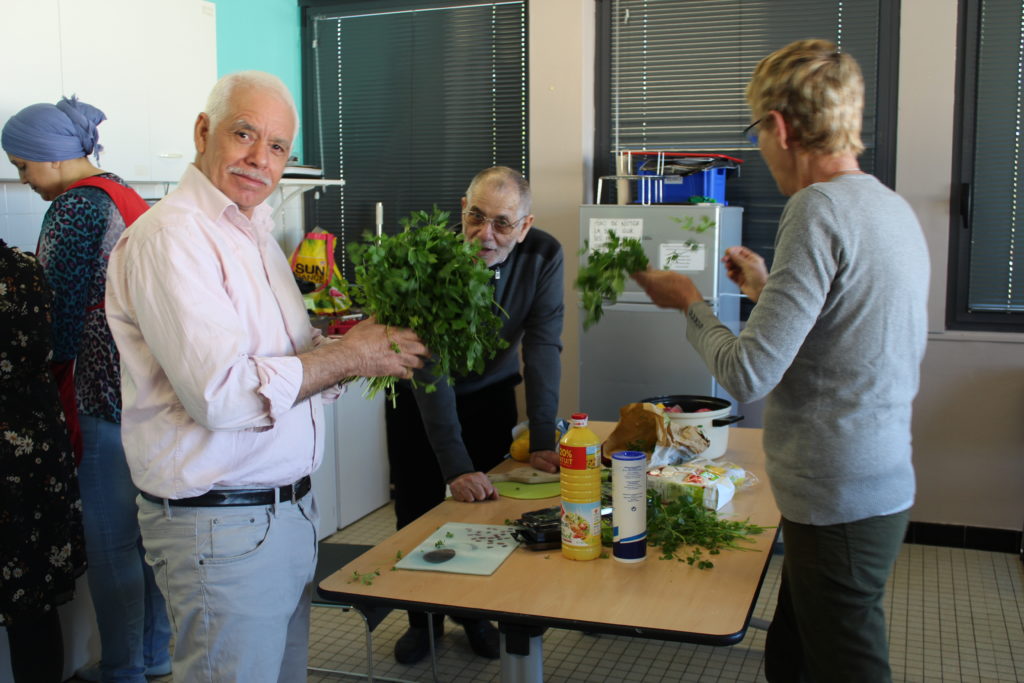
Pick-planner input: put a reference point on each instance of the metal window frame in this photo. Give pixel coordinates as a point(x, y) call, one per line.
point(958, 315)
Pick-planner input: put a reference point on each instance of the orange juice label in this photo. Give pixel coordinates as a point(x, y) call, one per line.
point(578, 457)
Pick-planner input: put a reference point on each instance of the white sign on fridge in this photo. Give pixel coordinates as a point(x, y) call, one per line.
point(682, 256)
point(623, 227)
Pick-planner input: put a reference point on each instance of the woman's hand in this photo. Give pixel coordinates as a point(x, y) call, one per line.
point(668, 289)
point(746, 269)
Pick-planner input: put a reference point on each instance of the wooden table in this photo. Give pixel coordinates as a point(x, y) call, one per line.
point(534, 590)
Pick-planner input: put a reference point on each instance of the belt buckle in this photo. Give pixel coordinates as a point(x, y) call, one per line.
point(293, 487)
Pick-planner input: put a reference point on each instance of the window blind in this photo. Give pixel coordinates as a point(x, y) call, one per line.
point(995, 177)
point(410, 101)
point(677, 72)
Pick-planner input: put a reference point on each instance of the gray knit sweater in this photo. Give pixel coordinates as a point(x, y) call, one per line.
point(837, 338)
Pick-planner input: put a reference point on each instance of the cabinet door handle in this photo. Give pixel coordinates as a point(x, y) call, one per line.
point(170, 155)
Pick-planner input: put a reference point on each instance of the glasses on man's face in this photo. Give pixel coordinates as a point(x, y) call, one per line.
point(502, 225)
point(750, 132)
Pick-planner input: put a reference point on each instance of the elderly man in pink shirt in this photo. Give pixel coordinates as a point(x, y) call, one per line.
point(222, 376)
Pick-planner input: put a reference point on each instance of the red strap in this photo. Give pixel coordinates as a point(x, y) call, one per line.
point(64, 374)
point(127, 200)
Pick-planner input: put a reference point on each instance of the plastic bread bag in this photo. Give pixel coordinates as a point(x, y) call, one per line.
point(693, 483)
point(741, 478)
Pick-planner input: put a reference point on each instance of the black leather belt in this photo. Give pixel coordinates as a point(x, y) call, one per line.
point(214, 498)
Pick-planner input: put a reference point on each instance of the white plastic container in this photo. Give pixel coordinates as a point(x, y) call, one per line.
point(629, 506)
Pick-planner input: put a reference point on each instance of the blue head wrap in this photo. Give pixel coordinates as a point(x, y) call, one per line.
point(47, 132)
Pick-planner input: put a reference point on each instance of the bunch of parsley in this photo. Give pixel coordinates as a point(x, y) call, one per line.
point(682, 524)
point(428, 278)
point(604, 276)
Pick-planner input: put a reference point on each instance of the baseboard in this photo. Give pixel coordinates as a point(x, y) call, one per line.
point(960, 536)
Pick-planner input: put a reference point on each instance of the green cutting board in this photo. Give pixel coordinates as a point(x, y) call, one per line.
point(515, 489)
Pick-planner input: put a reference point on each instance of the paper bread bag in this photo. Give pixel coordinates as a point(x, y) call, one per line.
point(645, 427)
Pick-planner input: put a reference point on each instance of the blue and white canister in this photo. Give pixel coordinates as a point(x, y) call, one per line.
point(629, 506)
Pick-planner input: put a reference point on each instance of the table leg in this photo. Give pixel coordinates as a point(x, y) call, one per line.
point(522, 656)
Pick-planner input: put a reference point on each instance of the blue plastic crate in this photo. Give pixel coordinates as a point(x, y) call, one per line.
point(678, 189)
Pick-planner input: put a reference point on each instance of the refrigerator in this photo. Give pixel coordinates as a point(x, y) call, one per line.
point(638, 350)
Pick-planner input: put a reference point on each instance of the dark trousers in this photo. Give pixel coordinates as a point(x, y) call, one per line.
point(37, 648)
point(486, 417)
point(829, 623)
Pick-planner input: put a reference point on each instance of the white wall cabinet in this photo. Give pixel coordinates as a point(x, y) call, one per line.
point(148, 64)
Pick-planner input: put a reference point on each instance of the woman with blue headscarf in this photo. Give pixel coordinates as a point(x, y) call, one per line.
point(50, 145)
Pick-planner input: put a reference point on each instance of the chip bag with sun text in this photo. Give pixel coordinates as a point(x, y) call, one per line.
point(313, 261)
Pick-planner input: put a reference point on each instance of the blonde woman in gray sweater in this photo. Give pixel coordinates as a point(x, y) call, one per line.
point(835, 345)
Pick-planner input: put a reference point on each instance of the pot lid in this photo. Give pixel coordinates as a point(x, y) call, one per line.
point(690, 403)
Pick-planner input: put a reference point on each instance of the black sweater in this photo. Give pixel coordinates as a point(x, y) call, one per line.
point(528, 288)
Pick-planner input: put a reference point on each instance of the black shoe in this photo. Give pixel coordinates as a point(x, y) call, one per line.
point(414, 645)
point(483, 638)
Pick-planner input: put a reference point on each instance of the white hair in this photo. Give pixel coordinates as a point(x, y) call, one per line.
point(503, 176)
point(219, 101)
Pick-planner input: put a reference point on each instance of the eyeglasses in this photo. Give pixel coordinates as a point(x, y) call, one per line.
point(750, 132)
point(502, 225)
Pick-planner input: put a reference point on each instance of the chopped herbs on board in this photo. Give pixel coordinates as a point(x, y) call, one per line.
point(428, 278)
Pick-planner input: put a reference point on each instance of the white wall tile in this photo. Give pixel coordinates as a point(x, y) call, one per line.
point(21, 199)
point(23, 230)
point(151, 191)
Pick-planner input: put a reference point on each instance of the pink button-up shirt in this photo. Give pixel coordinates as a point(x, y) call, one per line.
point(208, 320)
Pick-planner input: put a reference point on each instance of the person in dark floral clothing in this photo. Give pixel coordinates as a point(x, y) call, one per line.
point(41, 546)
point(50, 146)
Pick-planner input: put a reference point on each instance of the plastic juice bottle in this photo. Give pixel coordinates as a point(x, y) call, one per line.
point(579, 456)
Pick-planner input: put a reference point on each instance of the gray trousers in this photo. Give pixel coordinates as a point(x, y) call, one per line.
point(829, 623)
point(238, 584)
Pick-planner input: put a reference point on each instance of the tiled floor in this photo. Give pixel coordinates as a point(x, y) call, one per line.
point(954, 615)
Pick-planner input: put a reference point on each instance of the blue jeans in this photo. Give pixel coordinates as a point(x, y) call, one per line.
point(130, 611)
point(238, 582)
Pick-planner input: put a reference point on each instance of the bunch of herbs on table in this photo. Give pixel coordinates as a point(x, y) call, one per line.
point(688, 532)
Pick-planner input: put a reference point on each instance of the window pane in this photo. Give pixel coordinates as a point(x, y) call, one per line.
point(679, 69)
point(997, 240)
point(411, 104)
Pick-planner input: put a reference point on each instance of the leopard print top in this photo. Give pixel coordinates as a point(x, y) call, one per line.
point(79, 230)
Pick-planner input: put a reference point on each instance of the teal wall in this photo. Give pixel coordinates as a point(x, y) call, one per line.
point(263, 35)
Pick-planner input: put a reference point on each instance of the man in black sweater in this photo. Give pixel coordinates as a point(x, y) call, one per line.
point(456, 434)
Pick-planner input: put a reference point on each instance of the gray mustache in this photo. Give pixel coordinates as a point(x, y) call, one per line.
point(249, 174)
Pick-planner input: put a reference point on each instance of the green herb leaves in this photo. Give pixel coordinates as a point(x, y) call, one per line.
point(685, 531)
point(429, 278)
point(604, 275)
point(680, 524)
point(365, 579)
